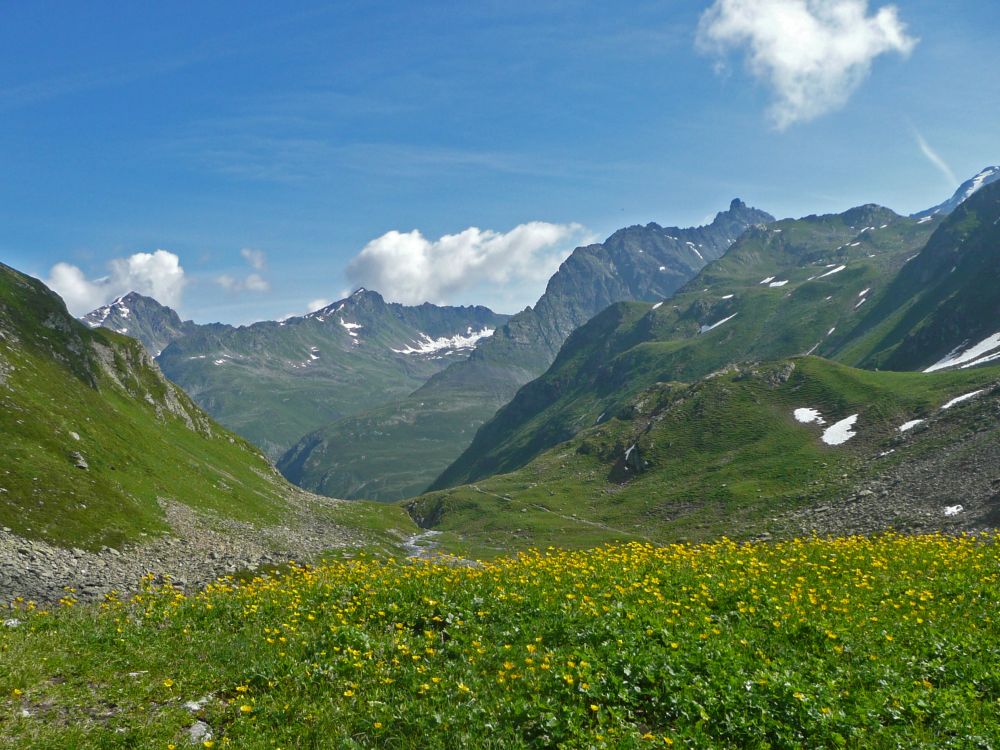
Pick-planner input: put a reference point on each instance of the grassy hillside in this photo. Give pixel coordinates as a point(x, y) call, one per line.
point(783, 290)
point(946, 297)
point(880, 643)
point(722, 456)
point(70, 395)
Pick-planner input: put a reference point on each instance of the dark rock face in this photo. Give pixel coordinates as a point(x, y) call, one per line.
point(142, 318)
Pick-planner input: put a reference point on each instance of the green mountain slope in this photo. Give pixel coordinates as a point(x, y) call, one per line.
point(273, 382)
point(943, 304)
point(782, 290)
point(396, 450)
point(728, 455)
point(94, 436)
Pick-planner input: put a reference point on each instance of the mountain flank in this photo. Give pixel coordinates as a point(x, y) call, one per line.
point(109, 470)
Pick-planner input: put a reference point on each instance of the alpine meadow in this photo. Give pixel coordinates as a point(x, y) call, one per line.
point(408, 376)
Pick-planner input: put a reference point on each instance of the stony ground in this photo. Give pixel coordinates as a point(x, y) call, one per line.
point(952, 485)
point(200, 549)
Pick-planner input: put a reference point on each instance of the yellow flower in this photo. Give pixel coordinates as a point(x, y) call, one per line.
point(594, 707)
point(348, 693)
point(377, 725)
point(168, 683)
point(246, 709)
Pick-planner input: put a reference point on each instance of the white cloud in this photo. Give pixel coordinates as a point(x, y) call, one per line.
point(934, 158)
point(158, 274)
point(255, 258)
point(813, 53)
point(253, 282)
point(505, 270)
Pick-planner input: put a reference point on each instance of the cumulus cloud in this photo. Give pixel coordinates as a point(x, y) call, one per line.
point(158, 274)
point(255, 258)
point(252, 282)
point(813, 53)
point(501, 269)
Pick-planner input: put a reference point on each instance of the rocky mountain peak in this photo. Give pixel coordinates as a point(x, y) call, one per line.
point(966, 190)
point(142, 318)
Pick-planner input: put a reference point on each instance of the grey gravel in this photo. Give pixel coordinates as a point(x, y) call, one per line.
point(200, 548)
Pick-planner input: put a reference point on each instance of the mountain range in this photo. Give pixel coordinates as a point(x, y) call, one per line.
point(397, 450)
point(648, 407)
point(469, 403)
point(274, 381)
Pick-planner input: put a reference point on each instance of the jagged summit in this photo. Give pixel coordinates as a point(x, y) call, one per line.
point(142, 318)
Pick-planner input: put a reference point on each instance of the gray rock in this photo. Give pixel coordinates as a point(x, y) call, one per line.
point(199, 732)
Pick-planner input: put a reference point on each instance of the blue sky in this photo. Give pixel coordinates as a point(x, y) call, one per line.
point(266, 148)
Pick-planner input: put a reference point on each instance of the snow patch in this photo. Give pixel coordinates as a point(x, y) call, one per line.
point(978, 181)
point(706, 329)
point(778, 283)
point(729, 296)
point(768, 280)
point(960, 355)
point(657, 305)
point(427, 345)
point(807, 415)
point(953, 510)
point(840, 432)
point(960, 399)
point(926, 219)
point(909, 425)
point(838, 269)
point(352, 328)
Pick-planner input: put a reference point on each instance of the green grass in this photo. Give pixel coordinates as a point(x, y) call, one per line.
point(876, 643)
point(722, 456)
point(630, 347)
point(391, 452)
point(141, 437)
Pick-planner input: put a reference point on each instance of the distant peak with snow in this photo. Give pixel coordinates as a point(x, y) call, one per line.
point(965, 191)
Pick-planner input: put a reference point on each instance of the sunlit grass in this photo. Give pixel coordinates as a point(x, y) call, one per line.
point(857, 642)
